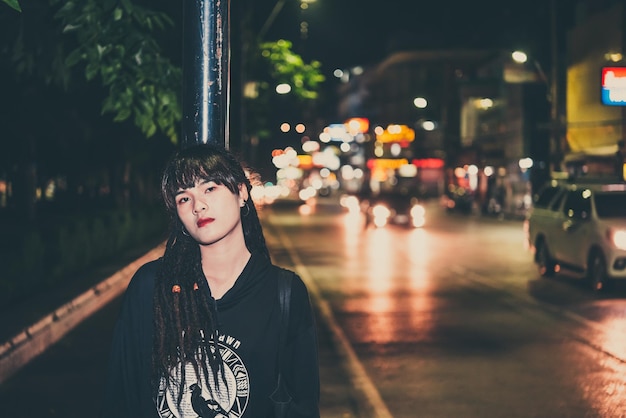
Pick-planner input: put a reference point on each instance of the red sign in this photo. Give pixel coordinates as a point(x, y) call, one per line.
point(614, 86)
point(428, 163)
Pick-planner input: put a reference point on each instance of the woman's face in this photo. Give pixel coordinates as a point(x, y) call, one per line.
point(210, 212)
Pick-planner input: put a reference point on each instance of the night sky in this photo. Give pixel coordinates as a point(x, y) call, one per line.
point(345, 33)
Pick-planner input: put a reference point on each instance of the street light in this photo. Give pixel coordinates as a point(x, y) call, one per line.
point(521, 57)
point(283, 88)
point(429, 125)
point(554, 152)
point(420, 102)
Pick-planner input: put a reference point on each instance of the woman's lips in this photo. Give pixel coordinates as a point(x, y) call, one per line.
point(204, 221)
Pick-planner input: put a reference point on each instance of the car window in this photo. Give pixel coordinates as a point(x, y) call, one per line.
point(577, 204)
point(546, 195)
point(611, 205)
point(555, 204)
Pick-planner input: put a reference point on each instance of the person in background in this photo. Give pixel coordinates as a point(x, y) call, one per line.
point(198, 331)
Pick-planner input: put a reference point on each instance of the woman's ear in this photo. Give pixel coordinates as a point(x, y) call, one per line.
point(243, 194)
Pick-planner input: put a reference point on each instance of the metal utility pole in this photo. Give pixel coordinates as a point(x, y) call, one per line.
point(206, 71)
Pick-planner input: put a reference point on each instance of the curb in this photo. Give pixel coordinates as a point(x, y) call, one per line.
point(35, 339)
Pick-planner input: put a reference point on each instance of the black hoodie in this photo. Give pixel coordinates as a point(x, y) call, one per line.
point(249, 326)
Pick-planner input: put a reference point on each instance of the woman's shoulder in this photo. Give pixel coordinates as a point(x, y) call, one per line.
point(150, 267)
point(145, 276)
point(300, 301)
point(298, 287)
point(139, 292)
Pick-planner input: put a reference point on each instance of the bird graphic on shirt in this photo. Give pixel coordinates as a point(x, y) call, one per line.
point(203, 407)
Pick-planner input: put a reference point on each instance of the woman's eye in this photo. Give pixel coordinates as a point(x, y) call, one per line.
point(209, 189)
point(182, 200)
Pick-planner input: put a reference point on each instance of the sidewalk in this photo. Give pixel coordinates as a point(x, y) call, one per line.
point(31, 326)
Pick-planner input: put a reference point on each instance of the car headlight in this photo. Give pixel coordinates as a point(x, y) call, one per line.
point(418, 211)
point(351, 203)
point(418, 215)
point(618, 238)
point(381, 211)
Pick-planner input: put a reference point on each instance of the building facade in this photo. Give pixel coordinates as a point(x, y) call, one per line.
point(596, 72)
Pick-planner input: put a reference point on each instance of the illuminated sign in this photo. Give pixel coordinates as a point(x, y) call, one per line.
point(335, 132)
point(428, 163)
point(357, 125)
point(305, 161)
point(389, 163)
point(614, 86)
point(396, 133)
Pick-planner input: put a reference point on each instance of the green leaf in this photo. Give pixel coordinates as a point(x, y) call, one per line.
point(117, 13)
point(91, 71)
point(70, 28)
point(100, 50)
point(13, 4)
point(73, 58)
point(122, 115)
point(151, 130)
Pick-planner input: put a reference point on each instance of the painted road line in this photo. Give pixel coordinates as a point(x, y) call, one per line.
point(358, 375)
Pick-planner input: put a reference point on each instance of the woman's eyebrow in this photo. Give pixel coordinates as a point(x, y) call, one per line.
point(198, 183)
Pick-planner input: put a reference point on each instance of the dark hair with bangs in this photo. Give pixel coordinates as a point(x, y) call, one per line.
point(201, 163)
point(185, 320)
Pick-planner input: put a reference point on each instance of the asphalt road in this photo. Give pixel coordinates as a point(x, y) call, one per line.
point(452, 320)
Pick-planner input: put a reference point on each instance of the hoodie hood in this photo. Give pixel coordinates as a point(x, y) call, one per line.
point(253, 276)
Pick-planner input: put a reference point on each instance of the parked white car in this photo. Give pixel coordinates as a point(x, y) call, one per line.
point(579, 227)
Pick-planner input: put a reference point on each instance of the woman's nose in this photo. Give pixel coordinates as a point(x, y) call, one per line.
point(199, 206)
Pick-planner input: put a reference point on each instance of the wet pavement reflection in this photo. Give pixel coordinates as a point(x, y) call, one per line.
point(452, 319)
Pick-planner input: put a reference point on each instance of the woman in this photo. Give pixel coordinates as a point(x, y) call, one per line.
point(198, 333)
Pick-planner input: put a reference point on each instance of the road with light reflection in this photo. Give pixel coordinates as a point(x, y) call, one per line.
point(452, 320)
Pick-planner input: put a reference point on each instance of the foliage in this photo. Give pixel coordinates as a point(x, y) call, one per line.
point(274, 63)
point(114, 43)
point(14, 4)
point(285, 66)
point(110, 40)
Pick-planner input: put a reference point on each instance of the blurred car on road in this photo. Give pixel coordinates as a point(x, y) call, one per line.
point(579, 227)
point(393, 207)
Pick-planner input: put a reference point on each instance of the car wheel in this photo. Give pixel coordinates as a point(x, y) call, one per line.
point(544, 261)
point(596, 272)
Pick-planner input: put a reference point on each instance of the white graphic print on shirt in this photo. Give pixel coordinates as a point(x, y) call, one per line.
point(203, 399)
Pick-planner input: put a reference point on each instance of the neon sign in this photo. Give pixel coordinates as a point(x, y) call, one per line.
point(614, 86)
point(396, 133)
